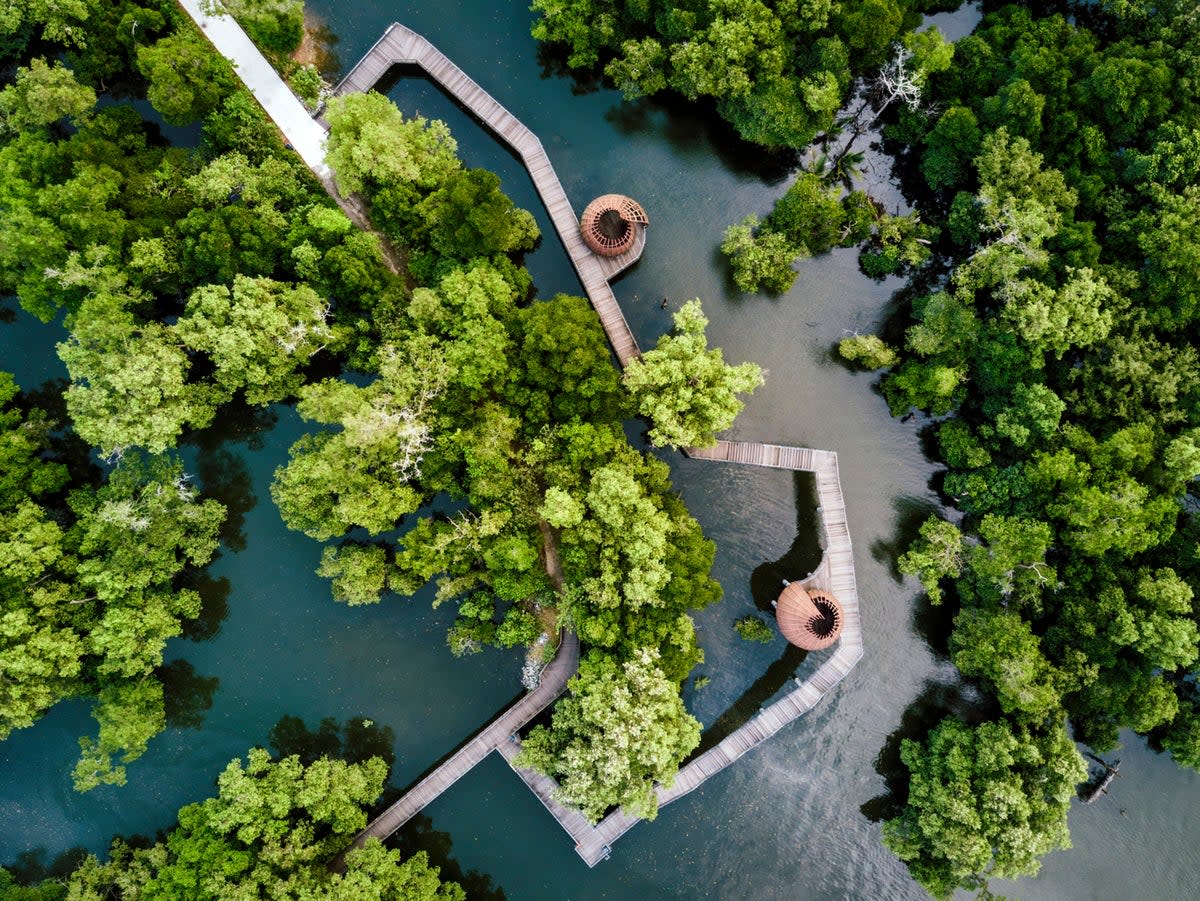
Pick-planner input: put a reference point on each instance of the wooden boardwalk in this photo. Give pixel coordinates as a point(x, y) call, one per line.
point(403, 46)
point(834, 574)
point(496, 734)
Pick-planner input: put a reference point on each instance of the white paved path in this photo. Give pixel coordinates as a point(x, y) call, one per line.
point(304, 134)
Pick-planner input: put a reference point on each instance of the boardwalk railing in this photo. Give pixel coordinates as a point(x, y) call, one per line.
point(496, 734)
point(834, 574)
point(401, 45)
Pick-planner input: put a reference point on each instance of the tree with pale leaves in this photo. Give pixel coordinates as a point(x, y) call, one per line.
point(686, 389)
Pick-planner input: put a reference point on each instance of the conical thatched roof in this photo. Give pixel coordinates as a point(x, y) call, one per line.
point(808, 619)
point(609, 224)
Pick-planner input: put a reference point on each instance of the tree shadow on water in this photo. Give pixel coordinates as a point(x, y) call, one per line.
point(319, 44)
point(226, 478)
point(764, 688)
point(186, 695)
point(937, 701)
point(935, 622)
point(357, 739)
point(64, 446)
point(237, 422)
point(214, 604)
point(30, 867)
point(553, 60)
point(911, 513)
point(418, 834)
point(804, 555)
point(696, 129)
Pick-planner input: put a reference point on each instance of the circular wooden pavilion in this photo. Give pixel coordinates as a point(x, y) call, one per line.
point(610, 224)
point(808, 619)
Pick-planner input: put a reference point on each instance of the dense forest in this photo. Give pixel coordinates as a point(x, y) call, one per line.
point(1052, 302)
point(193, 279)
point(1054, 286)
point(1058, 327)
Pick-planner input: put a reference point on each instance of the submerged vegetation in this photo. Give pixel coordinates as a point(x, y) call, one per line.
point(752, 628)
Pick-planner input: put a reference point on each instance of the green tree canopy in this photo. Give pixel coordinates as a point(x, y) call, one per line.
point(271, 831)
point(129, 378)
point(187, 79)
point(373, 147)
point(42, 95)
point(258, 335)
point(685, 389)
point(621, 730)
point(983, 801)
point(469, 216)
point(90, 594)
point(277, 26)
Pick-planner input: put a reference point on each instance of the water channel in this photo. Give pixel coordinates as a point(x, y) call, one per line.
point(796, 818)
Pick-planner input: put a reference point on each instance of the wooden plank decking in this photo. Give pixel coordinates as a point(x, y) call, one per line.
point(835, 574)
point(403, 46)
point(495, 734)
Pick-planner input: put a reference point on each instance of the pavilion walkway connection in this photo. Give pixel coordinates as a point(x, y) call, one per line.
point(401, 45)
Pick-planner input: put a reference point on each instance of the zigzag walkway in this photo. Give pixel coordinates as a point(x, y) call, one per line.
point(835, 574)
point(498, 733)
point(401, 45)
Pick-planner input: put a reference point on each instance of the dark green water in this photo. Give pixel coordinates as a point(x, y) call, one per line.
point(785, 822)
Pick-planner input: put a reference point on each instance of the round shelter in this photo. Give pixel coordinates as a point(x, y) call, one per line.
point(809, 619)
point(610, 224)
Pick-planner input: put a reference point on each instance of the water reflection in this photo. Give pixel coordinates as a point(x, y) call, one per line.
point(187, 696)
point(910, 513)
point(798, 561)
point(553, 60)
point(355, 740)
point(214, 604)
point(801, 558)
point(226, 478)
point(235, 421)
point(31, 867)
point(418, 834)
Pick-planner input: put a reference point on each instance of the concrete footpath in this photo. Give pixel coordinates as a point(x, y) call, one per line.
point(300, 130)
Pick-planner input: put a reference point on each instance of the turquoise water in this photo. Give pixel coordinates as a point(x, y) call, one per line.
point(785, 822)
